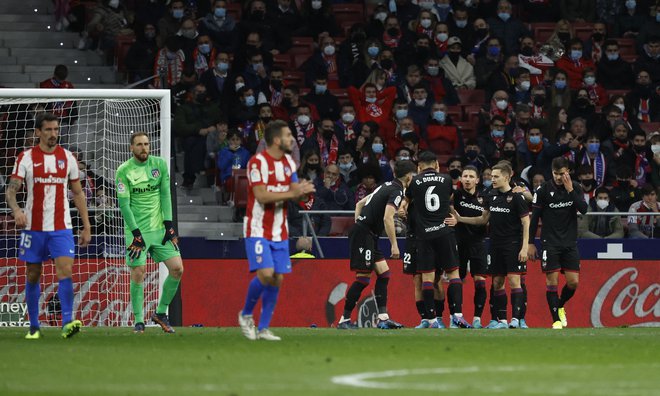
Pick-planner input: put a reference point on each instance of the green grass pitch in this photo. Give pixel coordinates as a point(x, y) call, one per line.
point(195, 361)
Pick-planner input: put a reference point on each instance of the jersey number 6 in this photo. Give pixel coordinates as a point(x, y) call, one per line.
point(432, 201)
point(258, 248)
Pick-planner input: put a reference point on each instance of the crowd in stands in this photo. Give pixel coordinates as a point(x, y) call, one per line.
point(365, 84)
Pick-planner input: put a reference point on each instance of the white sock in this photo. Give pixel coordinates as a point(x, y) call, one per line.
point(383, 316)
point(458, 315)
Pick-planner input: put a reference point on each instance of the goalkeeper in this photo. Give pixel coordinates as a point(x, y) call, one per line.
point(143, 192)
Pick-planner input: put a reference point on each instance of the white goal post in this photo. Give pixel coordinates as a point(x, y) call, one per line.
point(96, 125)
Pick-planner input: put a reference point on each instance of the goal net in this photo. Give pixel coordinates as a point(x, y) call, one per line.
point(95, 126)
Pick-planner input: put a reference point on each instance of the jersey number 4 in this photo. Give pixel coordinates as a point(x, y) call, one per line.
point(431, 200)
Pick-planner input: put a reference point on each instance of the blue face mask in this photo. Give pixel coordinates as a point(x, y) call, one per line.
point(220, 12)
point(560, 84)
point(535, 140)
point(494, 51)
point(461, 24)
point(250, 101)
point(222, 67)
point(487, 183)
point(373, 51)
point(204, 48)
point(613, 57)
point(401, 113)
point(657, 17)
point(439, 116)
point(631, 4)
point(346, 167)
point(377, 148)
point(576, 54)
point(504, 16)
point(320, 89)
point(177, 13)
point(593, 148)
point(497, 133)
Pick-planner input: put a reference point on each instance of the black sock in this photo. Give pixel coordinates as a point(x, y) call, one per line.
point(479, 297)
point(455, 295)
point(491, 303)
point(566, 294)
point(353, 295)
point(427, 295)
point(421, 310)
point(439, 307)
point(553, 301)
point(380, 289)
point(516, 303)
point(499, 302)
point(524, 306)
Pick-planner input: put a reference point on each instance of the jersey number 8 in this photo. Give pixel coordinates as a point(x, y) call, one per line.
point(367, 254)
point(432, 201)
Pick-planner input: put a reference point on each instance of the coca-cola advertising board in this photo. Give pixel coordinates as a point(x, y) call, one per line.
point(611, 293)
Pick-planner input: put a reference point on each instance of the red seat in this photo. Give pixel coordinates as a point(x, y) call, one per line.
point(299, 60)
point(613, 92)
point(627, 47)
point(123, 44)
point(240, 193)
point(341, 225)
point(348, 12)
point(292, 77)
point(283, 61)
point(630, 58)
point(441, 147)
point(301, 45)
point(340, 93)
point(468, 129)
point(472, 114)
point(234, 9)
point(584, 32)
point(455, 112)
point(472, 96)
point(650, 127)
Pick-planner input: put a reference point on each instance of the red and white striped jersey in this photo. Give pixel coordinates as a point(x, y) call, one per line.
point(46, 177)
point(268, 221)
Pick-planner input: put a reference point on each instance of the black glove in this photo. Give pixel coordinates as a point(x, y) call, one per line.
point(170, 235)
point(137, 246)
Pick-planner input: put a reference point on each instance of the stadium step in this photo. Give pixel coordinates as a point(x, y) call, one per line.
point(107, 76)
point(28, 6)
point(28, 26)
point(50, 41)
point(217, 231)
point(202, 212)
point(37, 37)
point(26, 17)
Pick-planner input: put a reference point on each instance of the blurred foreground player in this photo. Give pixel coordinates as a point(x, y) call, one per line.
point(374, 213)
point(557, 203)
point(272, 181)
point(47, 169)
point(143, 193)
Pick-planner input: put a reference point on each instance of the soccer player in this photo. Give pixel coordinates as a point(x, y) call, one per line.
point(47, 169)
point(556, 203)
point(272, 181)
point(143, 192)
point(469, 202)
point(436, 247)
point(508, 215)
point(374, 213)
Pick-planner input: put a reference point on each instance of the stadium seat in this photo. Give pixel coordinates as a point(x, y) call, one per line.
point(348, 12)
point(455, 112)
point(472, 114)
point(612, 92)
point(583, 31)
point(301, 45)
point(542, 31)
point(650, 127)
point(340, 93)
point(283, 61)
point(472, 96)
point(123, 44)
point(234, 9)
point(340, 226)
point(626, 47)
point(240, 193)
point(441, 147)
point(299, 60)
point(630, 58)
point(468, 129)
point(292, 77)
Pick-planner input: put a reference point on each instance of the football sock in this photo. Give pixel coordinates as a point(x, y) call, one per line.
point(566, 294)
point(427, 295)
point(137, 301)
point(516, 302)
point(421, 308)
point(32, 294)
point(380, 289)
point(523, 285)
point(65, 293)
point(439, 307)
point(499, 302)
point(491, 303)
point(353, 295)
point(268, 301)
point(455, 295)
point(170, 287)
point(553, 301)
point(255, 289)
point(479, 297)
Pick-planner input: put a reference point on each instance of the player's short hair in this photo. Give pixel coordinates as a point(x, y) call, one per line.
point(45, 117)
point(273, 130)
point(471, 168)
point(503, 167)
point(402, 168)
point(137, 134)
point(561, 162)
point(427, 157)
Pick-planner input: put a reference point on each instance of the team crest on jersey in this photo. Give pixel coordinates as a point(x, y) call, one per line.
point(480, 200)
point(509, 198)
point(61, 164)
point(155, 173)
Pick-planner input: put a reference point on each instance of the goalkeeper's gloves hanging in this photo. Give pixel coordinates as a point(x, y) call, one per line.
point(137, 246)
point(170, 234)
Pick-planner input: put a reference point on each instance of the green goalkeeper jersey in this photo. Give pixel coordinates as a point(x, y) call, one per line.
point(143, 192)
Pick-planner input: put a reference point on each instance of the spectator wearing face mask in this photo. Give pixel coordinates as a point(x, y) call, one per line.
point(537, 103)
point(594, 47)
point(245, 110)
point(454, 169)
point(596, 92)
point(519, 126)
point(534, 61)
point(324, 141)
point(530, 149)
point(441, 88)
point(597, 227)
point(302, 125)
point(491, 143)
point(204, 55)
point(233, 156)
point(376, 155)
point(625, 190)
point(521, 92)
point(598, 159)
point(508, 28)
point(456, 68)
point(221, 27)
point(441, 133)
point(486, 65)
point(645, 226)
point(253, 20)
point(643, 158)
point(347, 126)
point(217, 80)
point(348, 168)
point(168, 65)
point(317, 18)
point(187, 37)
point(574, 63)
point(169, 24)
point(504, 78)
point(322, 63)
point(585, 176)
point(320, 96)
point(643, 100)
point(620, 147)
point(472, 155)
point(613, 71)
point(582, 106)
point(334, 191)
point(559, 93)
point(420, 107)
point(498, 106)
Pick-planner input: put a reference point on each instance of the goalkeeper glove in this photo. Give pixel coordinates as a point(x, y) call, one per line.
point(137, 246)
point(170, 235)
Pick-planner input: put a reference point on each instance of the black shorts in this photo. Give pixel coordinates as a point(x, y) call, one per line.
point(363, 245)
point(438, 254)
point(503, 260)
point(410, 256)
point(560, 258)
point(476, 255)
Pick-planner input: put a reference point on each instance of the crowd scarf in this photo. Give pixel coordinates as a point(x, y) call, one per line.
point(499, 144)
point(349, 129)
point(390, 76)
point(643, 168)
point(570, 155)
point(173, 68)
point(440, 45)
point(518, 134)
point(303, 132)
point(362, 191)
point(203, 62)
point(275, 96)
point(328, 154)
point(477, 45)
point(592, 92)
point(307, 205)
point(534, 148)
point(391, 41)
point(598, 165)
point(643, 114)
point(537, 112)
point(420, 30)
point(407, 92)
point(596, 51)
point(618, 145)
point(330, 63)
point(494, 111)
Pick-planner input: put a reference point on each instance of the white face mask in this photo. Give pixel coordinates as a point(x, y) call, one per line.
point(502, 104)
point(316, 5)
point(620, 106)
point(329, 50)
point(347, 117)
point(524, 85)
point(655, 148)
point(303, 119)
point(113, 3)
point(602, 203)
point(381, 16)
point(433, 70)
point(426, 23)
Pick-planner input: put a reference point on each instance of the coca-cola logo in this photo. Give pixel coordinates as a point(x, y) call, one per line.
point(624, 302)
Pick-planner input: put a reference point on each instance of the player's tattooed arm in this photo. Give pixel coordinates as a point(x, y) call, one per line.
point(10, 195)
